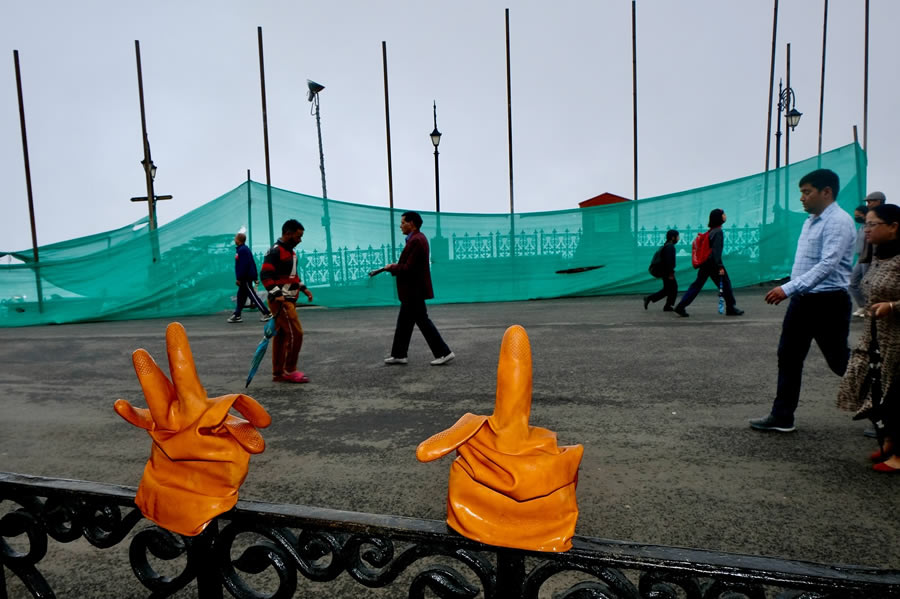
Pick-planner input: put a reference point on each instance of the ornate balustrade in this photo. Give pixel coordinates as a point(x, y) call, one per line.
point(302, 551)
point(496, 244)
point(739, 241)
point(347, 265)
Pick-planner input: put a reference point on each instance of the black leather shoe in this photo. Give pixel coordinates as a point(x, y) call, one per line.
point(646, 301)
point(668, 309)
point(680, 312)
point(734, 312)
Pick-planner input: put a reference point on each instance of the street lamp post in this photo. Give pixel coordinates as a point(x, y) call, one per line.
point(436, 140)
point(439, 243)
point(313, 97)
point(786, 99)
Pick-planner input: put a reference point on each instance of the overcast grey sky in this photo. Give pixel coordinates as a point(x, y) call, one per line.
point(703, 68)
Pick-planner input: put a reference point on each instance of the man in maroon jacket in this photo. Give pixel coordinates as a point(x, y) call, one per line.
point(413, 275)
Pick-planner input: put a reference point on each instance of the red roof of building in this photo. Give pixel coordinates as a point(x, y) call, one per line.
point(602, 200)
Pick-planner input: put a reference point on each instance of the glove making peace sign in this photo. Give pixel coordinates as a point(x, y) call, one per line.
point(200, 451)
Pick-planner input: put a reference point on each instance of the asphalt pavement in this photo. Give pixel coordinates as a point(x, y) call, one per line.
point(660, 403)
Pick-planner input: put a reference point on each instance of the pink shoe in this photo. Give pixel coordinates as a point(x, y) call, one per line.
point(295, 377)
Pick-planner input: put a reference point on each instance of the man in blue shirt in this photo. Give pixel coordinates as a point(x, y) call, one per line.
point(245, 276)
point(820, 305)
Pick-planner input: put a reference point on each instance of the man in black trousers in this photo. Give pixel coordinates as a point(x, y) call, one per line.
point(413, 274)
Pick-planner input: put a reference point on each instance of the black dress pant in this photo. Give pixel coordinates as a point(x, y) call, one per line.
point(824, 317)
point(412, 313)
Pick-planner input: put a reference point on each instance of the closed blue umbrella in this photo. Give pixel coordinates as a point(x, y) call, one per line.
point(268, 332)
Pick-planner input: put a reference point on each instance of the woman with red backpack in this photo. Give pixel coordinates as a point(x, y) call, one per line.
point(712, 268)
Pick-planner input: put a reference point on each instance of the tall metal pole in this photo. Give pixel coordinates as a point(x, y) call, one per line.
point(771, 85)
point(778, 151)
point(314, 90)
point(387, 124)
point(249, 215)
point(28, 189)
point(822, 83)
point(634, 105)
point(778, 127)
point(512, 203)
point(787, 106)
point(860, 183)
point(262, 86)
point(321, 152)
point(866, 85)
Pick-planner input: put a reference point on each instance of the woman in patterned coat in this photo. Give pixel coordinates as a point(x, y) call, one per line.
point(881, 286)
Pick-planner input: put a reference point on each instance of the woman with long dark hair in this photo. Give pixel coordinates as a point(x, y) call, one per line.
point(712, 269)
point(881, 286)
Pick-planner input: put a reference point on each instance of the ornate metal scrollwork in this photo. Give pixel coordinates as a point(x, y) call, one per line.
point(370, 560)
point(610, 582)
point(322, 544)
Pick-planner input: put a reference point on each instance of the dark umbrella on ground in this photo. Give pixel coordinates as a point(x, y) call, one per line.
point(268, 333)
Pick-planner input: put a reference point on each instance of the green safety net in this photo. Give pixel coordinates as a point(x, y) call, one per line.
point(186, 267)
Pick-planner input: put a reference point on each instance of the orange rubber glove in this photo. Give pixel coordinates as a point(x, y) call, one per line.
point(510, 485)
point(200, 452)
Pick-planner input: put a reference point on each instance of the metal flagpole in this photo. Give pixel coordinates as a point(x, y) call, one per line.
point(387, 124)
point(262, 85)
point(822, 83)
point(34, 244)
point(512, 204)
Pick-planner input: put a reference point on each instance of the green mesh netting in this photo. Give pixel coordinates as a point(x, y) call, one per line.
point(187, 266)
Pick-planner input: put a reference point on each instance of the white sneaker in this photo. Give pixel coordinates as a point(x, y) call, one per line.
point(861, 312)
point(443, 360)
point(266, 317)
point(234, 318)
point(393, 360)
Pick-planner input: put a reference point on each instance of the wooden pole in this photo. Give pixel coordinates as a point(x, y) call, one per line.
point(28, 188)
point(262, 86)
point(822, 82)
point(387, 125)
point(148, 160)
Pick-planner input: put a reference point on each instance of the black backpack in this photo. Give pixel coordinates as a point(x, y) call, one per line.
point(657, 267)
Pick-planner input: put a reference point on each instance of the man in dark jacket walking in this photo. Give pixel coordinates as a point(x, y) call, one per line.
point(667, 274)
point(245, 276)
point(413, 275)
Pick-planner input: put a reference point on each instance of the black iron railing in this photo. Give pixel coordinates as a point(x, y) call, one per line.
point(279, 551)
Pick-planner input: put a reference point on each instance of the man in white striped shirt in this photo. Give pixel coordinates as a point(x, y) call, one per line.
point(820, 305)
